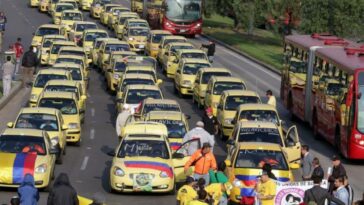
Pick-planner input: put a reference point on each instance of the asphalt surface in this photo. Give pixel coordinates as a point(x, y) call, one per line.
point(88, 165)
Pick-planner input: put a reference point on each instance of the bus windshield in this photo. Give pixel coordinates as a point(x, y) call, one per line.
point(189, 10)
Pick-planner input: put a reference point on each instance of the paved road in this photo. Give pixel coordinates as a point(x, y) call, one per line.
point(88, 166)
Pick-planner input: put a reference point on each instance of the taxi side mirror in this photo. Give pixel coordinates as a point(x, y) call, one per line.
point(111, 153)
point(64, 127)
point(230, 142)
point(159, 81)
point(227, 163)
point(294, 166)
point(83, 97)
point(178, 155)
point(10, 124)
point(178, 71)
point(82, 111)
point(188, 117)
point(219, 107)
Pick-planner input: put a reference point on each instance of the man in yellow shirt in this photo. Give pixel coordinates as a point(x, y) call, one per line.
point(266, 190)
point(186, 193)
point(219, 192)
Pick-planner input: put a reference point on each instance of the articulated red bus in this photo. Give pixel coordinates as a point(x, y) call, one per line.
point(321, 85)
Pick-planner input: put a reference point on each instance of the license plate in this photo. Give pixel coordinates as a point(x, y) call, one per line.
point(182, 30)
point(141, 46)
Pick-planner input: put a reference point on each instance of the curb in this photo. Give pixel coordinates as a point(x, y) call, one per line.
point(264, 65)
point(13, 92)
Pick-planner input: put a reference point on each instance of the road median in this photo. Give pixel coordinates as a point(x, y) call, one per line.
point(16, 86)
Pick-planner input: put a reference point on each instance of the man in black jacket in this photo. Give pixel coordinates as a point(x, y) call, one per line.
point(210, 50)
point(62, 192)
point(29, 62)
point(338, 170)
point(319, 195)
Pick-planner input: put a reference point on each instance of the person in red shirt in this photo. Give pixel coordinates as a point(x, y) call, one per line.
point(19, 50)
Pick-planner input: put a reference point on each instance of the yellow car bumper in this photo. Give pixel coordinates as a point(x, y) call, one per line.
point(125, 184)
point(227, 129)
point(73, 135)
point(34, 3)
point(171, 70)
point(186, 90)
point(41, 180)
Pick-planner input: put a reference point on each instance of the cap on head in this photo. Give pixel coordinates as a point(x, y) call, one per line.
point(200, 124)
point(190, 179)
point(335, 158)
point(206, 145)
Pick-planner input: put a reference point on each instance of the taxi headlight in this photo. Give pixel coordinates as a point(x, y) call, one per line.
point(118, 172)
point(163, 174)
point(131, 39)
point(54, 141)
point(73, 126)
point(186, 83)
point(41, 168)
point(228, 121)
point(33, 96)
point(116, 76)
point(215, 105)
point(237, 183)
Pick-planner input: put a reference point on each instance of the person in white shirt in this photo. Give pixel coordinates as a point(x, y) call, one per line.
point(122, 118)
point(198, 133)
point(271, 98)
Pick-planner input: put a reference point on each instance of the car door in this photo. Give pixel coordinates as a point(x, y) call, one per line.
point(180, 158)
point(177, 77)
point(208, 94)
point(292, 145)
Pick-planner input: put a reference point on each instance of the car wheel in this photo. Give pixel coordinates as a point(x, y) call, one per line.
point(59, 159)
point(174, 190)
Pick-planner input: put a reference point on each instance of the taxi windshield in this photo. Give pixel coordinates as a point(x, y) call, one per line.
point(135, 96)
point(157, 38)
point(179, 10)
point(116, 47)
point(270, 135)
point(61, 88)
point(42, 79)
point(61, 8)
point(82, 27)
point(138, 32)
point(193, 55)
point(137, 81)
point(123, 19)
point(167, 41)
point(175, 48)
point(39, 121)
point(70, 60)
point(55, 48)
point(143, 148)
point(22, 144)
point(149, 72)
point(160, 107)
point(66, 106)
point(95, 35)
point(176, 128)
point(232, 102)
point(120, 67)
point(192, 68)
point(138, 24)
point(259, 115)
point(48, 42)
point(47, 31)
point(72, 16)
point(117, 11)
point(220, 87)
point(207, 75)
point(141, 61)
point(108, 8)
point(70, 52)
point(256, 158)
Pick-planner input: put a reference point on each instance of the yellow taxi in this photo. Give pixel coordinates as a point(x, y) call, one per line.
point(33, 3)
point(133, 95)
point(94, 49)
point(165, 41)
point(176, 123)
point(97, 6)
point(137, 69)
point(67, 103)
point(119, 22)
point(76, 60)
point(47, 119)
point(85, 4)
point(265, 131)
point(26, 151)
point(136, 22)
point(154, 40)
point(150, 104)
point(226, 110)
point(42, 77)
point(75, 34)
point(191, 54)
point(186, 75)
point(43, 5)
point(218, 84)
point(53, 4)
point(76, 71)
point(58, 9)
point(151, 167)
point(54, 49)
point(114, 55)
point(104, 12)
point(45, 46)
point(69, 17)
point(134, 79)
point(142, 61)
point(113, 15)
point(169, 59)
point(136, 38)
point(47, 29)
point(244, 167)
point(68, 86)
point(200, 84)
point(107, 47)
point(89, 36)
point(76, 51)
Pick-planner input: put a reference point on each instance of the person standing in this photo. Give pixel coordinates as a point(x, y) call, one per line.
point(198, 133)
point(266, 190)
point(203, 160)
point(268, 168)
point(337, 171)
point(319, 195)
point(187, 193)
point(210, 122)
point(341, 193)
point(219, 192)
point(349, 189)
point(19, 50)
point(306, 162)
point(317, 169)
point(210, 50)
point(271, 99)
point(29, 62)
point(8, 71)
point(62, 192)
point(27, 192)
point(122, 118)
point(3, 21)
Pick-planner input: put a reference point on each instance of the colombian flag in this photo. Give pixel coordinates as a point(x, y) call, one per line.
point(150, 165)
point(15, 166)
point(175, 145)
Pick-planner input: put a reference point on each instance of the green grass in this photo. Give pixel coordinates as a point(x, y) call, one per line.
point(264, 45)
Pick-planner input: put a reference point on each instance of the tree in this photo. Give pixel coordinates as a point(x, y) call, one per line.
point(314, 15)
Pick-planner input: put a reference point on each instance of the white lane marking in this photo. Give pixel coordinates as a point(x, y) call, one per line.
point(92, 112)
point(84, 163)
point(92, 134)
